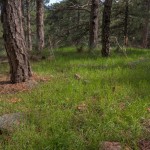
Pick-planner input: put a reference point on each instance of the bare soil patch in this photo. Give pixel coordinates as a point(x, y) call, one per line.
point(144, 145)
point(7, 88)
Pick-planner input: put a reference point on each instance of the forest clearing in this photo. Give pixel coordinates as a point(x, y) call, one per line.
point(75, 75)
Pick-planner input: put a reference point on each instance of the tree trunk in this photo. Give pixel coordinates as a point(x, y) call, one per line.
point(29, 39)
point(106, 28)
point(145, 33)
point(78, 23)
point(146, 24)
point(126, 22)
point(40, 24)
point(93, 39)
point(14, 41)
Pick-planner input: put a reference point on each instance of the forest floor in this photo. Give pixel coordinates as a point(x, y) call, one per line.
point(84, 102)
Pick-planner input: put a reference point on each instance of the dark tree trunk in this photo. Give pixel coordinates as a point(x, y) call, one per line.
point(14, 41)
point(40, 24)
point(106, 28)
point(126, 22)
point(29, 39)
point(78, 23)
point(145, 33)
point(93, 39)
point(146, 24)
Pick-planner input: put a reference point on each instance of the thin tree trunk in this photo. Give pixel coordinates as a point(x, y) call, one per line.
point(106, 28)
point(146, 25)
point(145, 33)
point(29, 39)
point(78, 23)
point(126, 22)
point(93, 39)
point(14, 41)
point(40, 24)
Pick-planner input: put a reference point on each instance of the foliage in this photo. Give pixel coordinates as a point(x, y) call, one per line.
point(67, 25)
point(64, 29)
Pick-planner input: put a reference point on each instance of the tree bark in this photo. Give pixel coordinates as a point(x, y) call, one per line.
point(29, 38)
point(23, 15)
point(14, 41)
point(126, 22)
point(106, 28)
point(93, 39)
point(40, 24)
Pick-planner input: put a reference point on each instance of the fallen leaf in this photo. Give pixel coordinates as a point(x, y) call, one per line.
point(14, 100)
point(148, 109)
point(82, 107)
point(77, 76)
point(122, 106)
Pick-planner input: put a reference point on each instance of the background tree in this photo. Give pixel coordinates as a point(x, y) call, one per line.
point(67, 23)
point(94, 24)
point(126, 18)
point(146, 20)
point(106, 28)
point(40, 24)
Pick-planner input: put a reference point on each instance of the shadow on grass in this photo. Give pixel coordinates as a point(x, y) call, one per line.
point(72, 55)
point(137, 52)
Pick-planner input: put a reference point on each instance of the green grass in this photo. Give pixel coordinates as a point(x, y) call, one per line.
point(53, 121)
